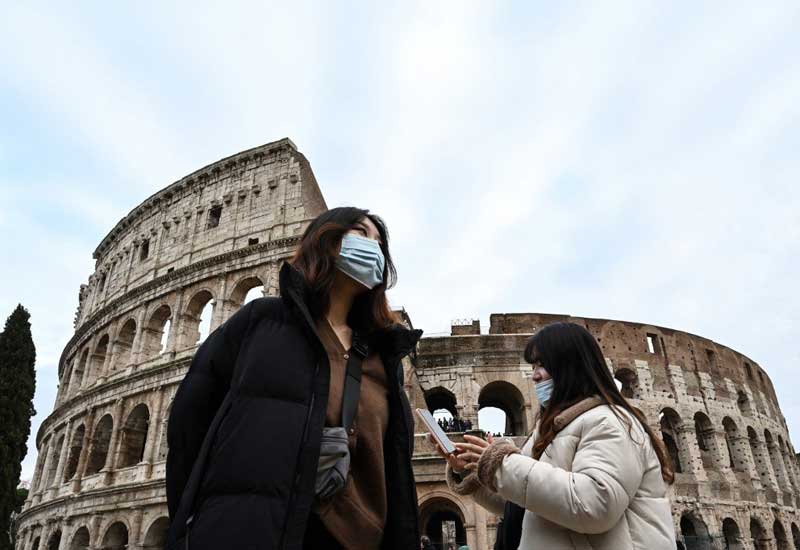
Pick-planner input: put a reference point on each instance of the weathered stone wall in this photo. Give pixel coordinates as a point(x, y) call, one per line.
point(739, 481)
point(210, 238)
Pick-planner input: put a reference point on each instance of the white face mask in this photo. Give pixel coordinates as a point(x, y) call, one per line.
point(544, 390)
point(361, 259)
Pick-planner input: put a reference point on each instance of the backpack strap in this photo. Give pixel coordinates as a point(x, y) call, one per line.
point(352, 383)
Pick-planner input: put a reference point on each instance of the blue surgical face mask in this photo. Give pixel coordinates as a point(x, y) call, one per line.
point(544, 390)
point(362, 260)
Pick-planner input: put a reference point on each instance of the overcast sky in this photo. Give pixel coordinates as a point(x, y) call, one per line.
point(625, 160)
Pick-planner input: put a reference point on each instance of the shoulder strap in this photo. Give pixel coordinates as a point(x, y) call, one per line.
point(352, 383)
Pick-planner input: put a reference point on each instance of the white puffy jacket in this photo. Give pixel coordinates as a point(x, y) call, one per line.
point(595, 486)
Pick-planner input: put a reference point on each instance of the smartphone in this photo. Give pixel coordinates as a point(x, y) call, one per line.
point(436, 431)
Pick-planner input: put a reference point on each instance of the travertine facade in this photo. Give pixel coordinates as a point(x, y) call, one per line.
point(222, 231)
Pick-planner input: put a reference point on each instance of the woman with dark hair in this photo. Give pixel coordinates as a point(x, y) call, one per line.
point(291, 428)
point(592, 475)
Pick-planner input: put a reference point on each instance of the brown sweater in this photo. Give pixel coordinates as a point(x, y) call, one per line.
point(357, 515)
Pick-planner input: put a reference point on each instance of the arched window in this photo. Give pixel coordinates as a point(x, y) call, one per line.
point(156, 332)
point(745, 407)
point(54, 541)
point(77, 373)
point(670, 423)
point(97, 360)
point(75, 447)
point(737, 453)
point(116, 537)
point(781, 540)
point(777, 465)
point(80, 540)
point(134, 436)
point(732, 535)
point(441, 402)
point(99, 451)
point(628, 383)
point(443, 522)
point(507, 398)
point(156, 536)
point(197, 319)
point(704, 431)
point(123, 345)
point(246, 291)
point(694, 532)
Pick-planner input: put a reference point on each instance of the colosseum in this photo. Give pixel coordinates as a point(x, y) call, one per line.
point(180, 263)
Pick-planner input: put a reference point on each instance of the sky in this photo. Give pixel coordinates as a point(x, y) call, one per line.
point(628, 160)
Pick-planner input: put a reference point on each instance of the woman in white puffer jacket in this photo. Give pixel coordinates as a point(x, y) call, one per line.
point(593, 475)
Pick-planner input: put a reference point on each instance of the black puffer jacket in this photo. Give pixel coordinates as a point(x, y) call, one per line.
point(249, 483)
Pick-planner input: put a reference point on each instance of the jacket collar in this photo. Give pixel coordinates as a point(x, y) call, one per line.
point(393, 343)
point(569, 414)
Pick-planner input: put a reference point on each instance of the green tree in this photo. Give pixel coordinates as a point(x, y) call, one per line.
point(17, 385)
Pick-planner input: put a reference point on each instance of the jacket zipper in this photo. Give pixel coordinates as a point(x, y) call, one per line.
point(298, 467)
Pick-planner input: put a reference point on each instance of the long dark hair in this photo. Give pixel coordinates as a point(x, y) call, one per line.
point(316, 260)
point(572, 357)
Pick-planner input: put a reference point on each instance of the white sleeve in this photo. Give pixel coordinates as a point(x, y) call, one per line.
point(606, 471)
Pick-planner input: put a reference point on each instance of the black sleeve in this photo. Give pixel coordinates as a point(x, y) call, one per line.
point(198, 397)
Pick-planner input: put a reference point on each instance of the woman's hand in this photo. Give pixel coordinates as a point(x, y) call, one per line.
point(471, 451)
point(453, 459)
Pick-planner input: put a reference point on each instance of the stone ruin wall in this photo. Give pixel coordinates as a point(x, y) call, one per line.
point(738, 482)
point(210, 237)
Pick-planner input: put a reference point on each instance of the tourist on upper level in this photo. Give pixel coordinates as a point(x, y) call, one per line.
point(592, 475)
point(263, 429)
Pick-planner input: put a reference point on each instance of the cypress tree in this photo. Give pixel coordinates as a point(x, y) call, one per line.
point(17, 385)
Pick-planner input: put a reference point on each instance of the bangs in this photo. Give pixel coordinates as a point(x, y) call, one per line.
point(531, 350)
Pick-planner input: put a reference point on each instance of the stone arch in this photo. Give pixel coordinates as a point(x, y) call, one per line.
point(779, 534)
point(36, 543)
point(509, 399)
point(758, 535)
point(38, 477)
point(116, 537)
point(155, 537)
point(123, 345)
point(75, 447)
point(80, 540)
point(97, 359)
point(744, 403)
point(66, 379)
point(732, 535)
point(704, 432)
point(739, 459)
point(55, 458)
point(670, 422)
point(199, 311)
point(100, 442)
point(54, 541)
point(760, 458)
point(245, 290)
point(157, 332)
point(440, 516)
point(629, 381)
point(134, 436)
point(694, 532)
point(78, 372)
point(440, 398)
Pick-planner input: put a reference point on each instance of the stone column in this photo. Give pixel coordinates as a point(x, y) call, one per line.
point(84, 454)
point(173, 340)
point(152, 431)
point(37, 473)
point(138, 338)
point(690, 452)
point(472, 539)
point(222, 306)
point(105, 368)
point(65, 533)
point(135, 537)
point(113, 445)
point(94, 533)
point(87, 367)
